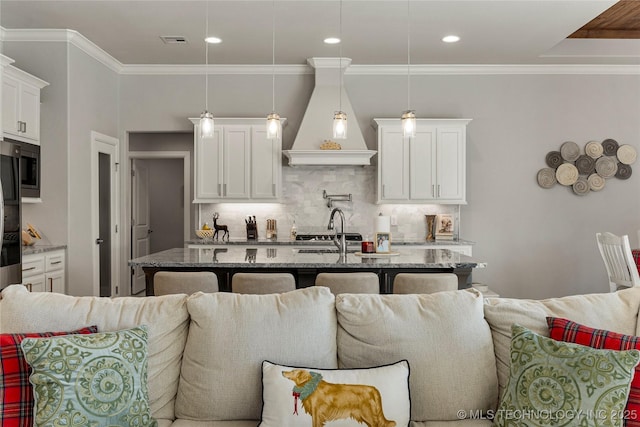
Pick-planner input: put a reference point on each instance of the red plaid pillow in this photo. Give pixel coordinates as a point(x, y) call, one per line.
point(568, 331)
point(16, 396)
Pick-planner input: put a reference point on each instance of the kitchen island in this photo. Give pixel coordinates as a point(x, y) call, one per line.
point(305, 263)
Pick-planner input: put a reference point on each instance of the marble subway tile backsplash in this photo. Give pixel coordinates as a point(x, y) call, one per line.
point(302, 201)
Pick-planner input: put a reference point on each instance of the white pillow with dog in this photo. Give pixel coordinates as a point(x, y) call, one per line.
point(378, 396)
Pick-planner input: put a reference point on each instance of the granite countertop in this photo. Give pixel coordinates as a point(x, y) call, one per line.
point(237, 256)
point(39, 249)
point(288, 242)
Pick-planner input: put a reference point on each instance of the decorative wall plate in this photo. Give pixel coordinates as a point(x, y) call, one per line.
point(581, 186)
point(624, 171)
point(586, 165)
point(610, 147)
point(627, 154)
point(547, 177)
point(593, 149)
point(596, 182)
point(554, 159)
point(570, 151)
point(567, 174)
point(606, 167)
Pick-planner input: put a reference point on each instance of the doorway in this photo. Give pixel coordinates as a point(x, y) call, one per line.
point(160, 208)
point(104, 217)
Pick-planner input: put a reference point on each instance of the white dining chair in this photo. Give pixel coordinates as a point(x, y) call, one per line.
point(618, 260)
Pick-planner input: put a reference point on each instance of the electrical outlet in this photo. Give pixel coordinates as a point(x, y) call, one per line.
point(394, 220)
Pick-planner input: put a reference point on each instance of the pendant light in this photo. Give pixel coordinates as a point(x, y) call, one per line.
point(274, 127)
point(206, 118)
point(408, 117)
point(340, 117)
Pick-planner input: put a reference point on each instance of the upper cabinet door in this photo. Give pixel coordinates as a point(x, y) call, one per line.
point(208, 161)
point(393, 176)
point(451, 164)
point(30, 111)
point(10, 106)
point(266, 165)
point(236, 152)
point(422, 175)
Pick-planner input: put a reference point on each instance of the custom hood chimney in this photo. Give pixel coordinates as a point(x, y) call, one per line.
point(317, 121)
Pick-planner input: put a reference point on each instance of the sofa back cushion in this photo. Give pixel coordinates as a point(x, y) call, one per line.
point(617, 311)
point(231, 334)
point(166, 317)
point(443, 336)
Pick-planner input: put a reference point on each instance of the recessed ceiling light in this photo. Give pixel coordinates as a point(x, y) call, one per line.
point(213, 40)
point(332, 40)
point(450, 39)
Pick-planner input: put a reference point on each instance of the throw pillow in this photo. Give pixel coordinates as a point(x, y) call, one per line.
point(553, 383)
point(16, 394)
point(566, 330)
point(90, 380)
point(374, 396)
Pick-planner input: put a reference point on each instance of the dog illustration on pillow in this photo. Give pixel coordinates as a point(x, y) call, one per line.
point(326, 401)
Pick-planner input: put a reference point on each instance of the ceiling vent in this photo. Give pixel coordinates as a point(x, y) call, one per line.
point(174, 39)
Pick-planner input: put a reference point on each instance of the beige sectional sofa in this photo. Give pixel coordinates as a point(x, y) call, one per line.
point(205, 350)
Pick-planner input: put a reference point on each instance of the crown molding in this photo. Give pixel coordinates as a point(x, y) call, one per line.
point(68, 36)
point(497, 69)
point(201, 69)
point(91, 49)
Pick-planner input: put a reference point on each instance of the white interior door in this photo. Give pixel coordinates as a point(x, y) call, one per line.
point(140, 219)
point(104, 214)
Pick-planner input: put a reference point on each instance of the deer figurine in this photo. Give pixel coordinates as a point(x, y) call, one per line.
point(219, 228)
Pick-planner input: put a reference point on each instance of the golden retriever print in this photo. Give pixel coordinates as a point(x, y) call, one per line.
point(326, 401)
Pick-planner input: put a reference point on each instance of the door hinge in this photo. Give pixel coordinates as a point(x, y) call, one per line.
point(116, 228)
point(133, 222)
point(133, 173)
point(133, 271)
point(116, 165)
point(117, 290)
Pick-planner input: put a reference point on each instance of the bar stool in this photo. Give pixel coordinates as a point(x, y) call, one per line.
point(184, 282)
point(350, 283)
point(262, 283)
point(424, 283)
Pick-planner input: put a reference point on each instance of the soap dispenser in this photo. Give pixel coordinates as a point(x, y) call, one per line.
point(294, 230)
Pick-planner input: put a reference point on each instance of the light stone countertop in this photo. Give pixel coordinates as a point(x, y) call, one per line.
point(39, 249)
point(249, 256)
point(354, 243)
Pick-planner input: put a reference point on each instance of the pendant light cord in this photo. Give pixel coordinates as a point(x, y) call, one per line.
point(206, 58)
point(408, 55)
point(273, 55)
point(340, 65)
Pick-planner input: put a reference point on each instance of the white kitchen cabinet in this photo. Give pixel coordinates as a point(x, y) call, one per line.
point(44, 272)
point(21, 105)
point(238, 163)
point(429, 168)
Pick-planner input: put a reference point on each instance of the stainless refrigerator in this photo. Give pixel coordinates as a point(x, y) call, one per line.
point(10, 229)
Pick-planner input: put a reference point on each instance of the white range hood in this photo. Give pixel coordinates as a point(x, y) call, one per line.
point(316, 126)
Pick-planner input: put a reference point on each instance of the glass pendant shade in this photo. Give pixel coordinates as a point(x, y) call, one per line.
point(340, 125)
point(409, 124)
point(274, 127)
point(206, 125)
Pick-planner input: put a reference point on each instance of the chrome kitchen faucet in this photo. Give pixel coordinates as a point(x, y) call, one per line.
point(342, 242)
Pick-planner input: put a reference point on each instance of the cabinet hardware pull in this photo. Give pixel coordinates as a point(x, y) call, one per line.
point(224, 189)
point(438, 190)
point(384, 193)
point(56, 262)
point(273, 189)
point(19, 126)
point(219, 189)
point(28, 269)
point(28, 285)
point(433, 190)
point(50, 284)
point(24, 127)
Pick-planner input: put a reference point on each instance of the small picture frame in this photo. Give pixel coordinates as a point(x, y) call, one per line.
point(444, 227)
point(383, 243)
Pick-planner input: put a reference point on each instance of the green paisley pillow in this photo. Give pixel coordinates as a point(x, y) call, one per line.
point(553, 383)
point(92, 380)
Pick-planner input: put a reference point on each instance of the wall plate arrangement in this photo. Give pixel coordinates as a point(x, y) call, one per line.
point(588, 171)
